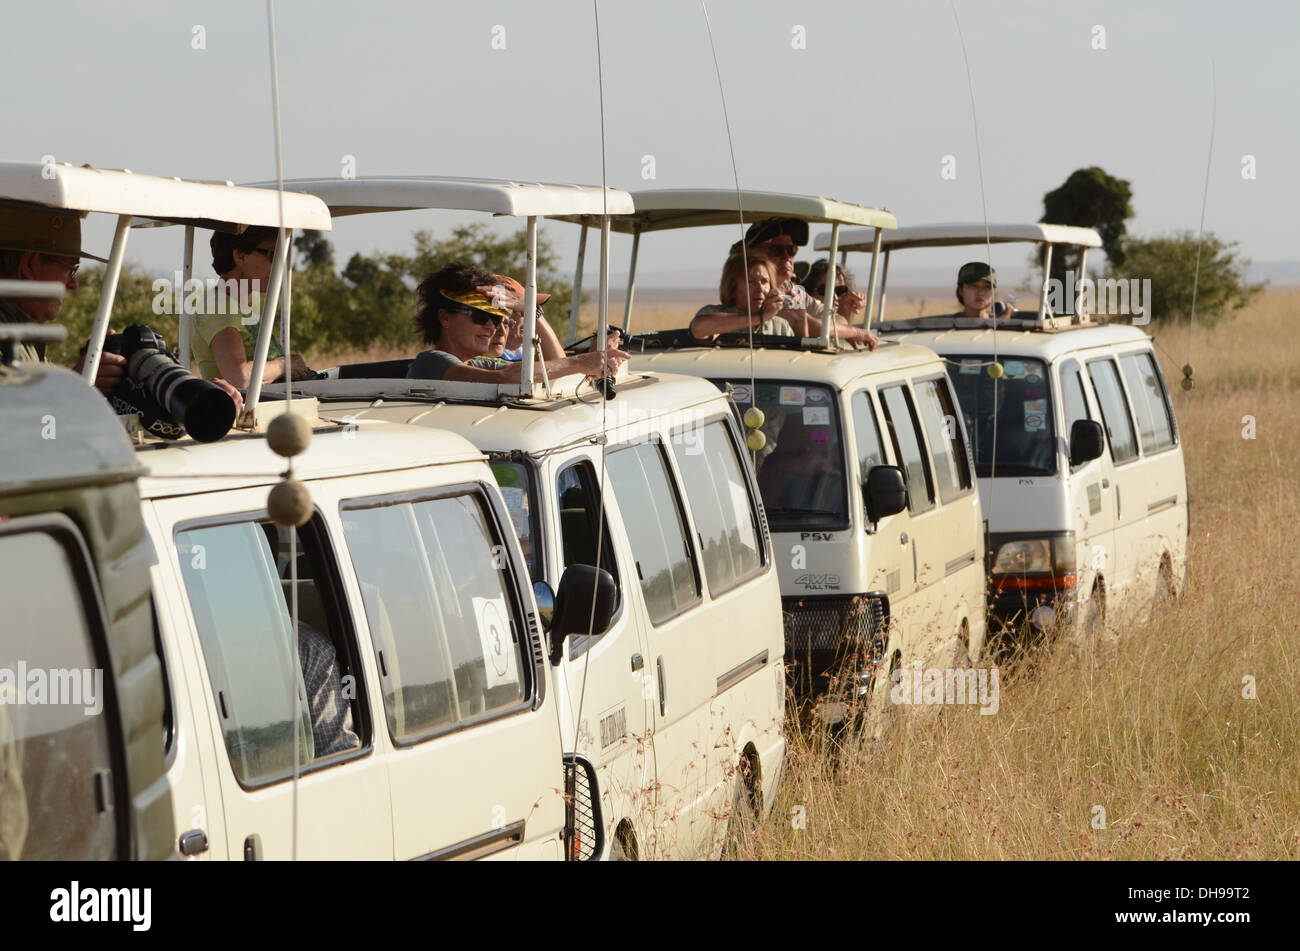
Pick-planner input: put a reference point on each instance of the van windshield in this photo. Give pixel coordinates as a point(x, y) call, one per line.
point(800, 469)
point(1026, 443)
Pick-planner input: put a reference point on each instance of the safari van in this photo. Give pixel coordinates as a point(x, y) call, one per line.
point(679, 698)
point(419, 650)
point(425, 724)
point(863, 469)
point(81, 684)
point(1086, 496)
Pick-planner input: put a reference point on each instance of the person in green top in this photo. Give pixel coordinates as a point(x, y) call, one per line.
point(224, 342)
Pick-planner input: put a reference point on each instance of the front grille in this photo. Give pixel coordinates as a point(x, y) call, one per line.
point(828, 626)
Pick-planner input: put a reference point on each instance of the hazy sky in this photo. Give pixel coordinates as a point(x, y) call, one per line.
point(866, 112)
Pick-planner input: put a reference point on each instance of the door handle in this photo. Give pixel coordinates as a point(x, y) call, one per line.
point(637, 662)
point(253, 848)
point(663, 687)
point(902, 538)
point(193, 842)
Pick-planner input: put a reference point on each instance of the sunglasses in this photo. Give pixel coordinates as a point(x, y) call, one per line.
point(780, 250)
point(267, 253)
point(483, 319)
point(839, 289)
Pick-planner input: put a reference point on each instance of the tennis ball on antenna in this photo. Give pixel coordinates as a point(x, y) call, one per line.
point(289, 503)
point(754, 417)
point(755, 440)
point(288, 434)
point(995, 371)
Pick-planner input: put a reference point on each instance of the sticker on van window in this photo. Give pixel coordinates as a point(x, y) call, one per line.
point(816, 415)
point(766, 394)
point(1014, 368)
point(506, 475)
point(1032, 378)
point(819, 435)
point(740, 393)
point(792, 396)
point(1035, 415)
point(815, 397)
point(970, 366)
point(494, 635)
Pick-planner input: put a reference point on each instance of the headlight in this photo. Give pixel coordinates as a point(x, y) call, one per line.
point(1023, 555)
point(1053, 554)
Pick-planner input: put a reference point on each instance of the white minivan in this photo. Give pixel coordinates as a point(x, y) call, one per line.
point(863, 468)
point(1086, 494)
point(679, 700)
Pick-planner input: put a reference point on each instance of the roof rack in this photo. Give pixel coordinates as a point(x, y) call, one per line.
point(1050, 324)
point(682, 339)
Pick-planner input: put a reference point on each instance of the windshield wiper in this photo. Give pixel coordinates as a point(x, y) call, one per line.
point(798, 511)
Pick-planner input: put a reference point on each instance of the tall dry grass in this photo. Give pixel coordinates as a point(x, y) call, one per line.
point(1149, 725)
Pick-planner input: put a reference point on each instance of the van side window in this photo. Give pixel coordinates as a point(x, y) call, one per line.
point(944, 435)
point(1155, 425)
point(55, 750)
point(866, 433)
point(241, 607)
point(1073, 400)
point(656, 527)
point(448, 638)
point(723, 508)
point(515, 479)
point(903, 433)
point(1114, 410)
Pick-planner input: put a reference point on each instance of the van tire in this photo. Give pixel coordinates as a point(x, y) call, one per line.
point(878, 718)
point(623, 846)
point(745, 808)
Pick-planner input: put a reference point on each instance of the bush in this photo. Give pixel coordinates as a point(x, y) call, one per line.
point(1170, 264)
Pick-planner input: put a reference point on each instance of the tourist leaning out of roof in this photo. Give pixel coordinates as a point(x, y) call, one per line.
point(45, 245)
point(752, 300)
point(508, 294)
point(976, 282)
point(224, 341)
point(780, 239)
point(460, 320)
point(849, 301)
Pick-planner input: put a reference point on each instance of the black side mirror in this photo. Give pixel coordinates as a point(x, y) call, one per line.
point(1086, 441)
point(545, 599)
point(885, 492)
point(582, 588)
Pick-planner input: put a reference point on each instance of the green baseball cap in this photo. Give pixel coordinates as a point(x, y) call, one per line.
point(976, 271)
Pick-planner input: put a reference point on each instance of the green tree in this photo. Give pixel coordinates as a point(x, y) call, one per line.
point(134, 304)
point(1169, 262)
point(1090, 198)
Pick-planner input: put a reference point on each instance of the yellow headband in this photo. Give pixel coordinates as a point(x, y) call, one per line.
point(477, 301)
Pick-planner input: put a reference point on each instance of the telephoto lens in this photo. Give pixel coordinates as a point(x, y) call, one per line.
point(167, 395)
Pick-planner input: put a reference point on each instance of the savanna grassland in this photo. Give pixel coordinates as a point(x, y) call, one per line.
point(1150, 723)
point(1173, 738)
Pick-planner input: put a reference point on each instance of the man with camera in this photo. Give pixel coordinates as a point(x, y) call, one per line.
point(44, 244)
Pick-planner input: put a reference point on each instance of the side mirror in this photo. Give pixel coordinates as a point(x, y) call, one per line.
point(885, 492)
point(582, 588)
point(1086, 441)
point(545, 599)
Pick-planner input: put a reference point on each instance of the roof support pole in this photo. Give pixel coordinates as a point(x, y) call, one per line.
point(576, 303)
point(871, 281)
point(254, 391)
point(828, 308)
point(530, 312)
point(286, 304)
point(185, 320)
point(112, 271)
point(884, 283)
point(602, 325)
point(1047, 276)
point(1083, 273)
point(631, 282)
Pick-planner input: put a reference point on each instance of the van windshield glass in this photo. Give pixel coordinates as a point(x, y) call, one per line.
point(1026, 442)
point(800, 469)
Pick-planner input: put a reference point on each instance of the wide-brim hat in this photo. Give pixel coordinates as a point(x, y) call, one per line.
point(52, 231)
point(761, 231)
point(476, 301)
